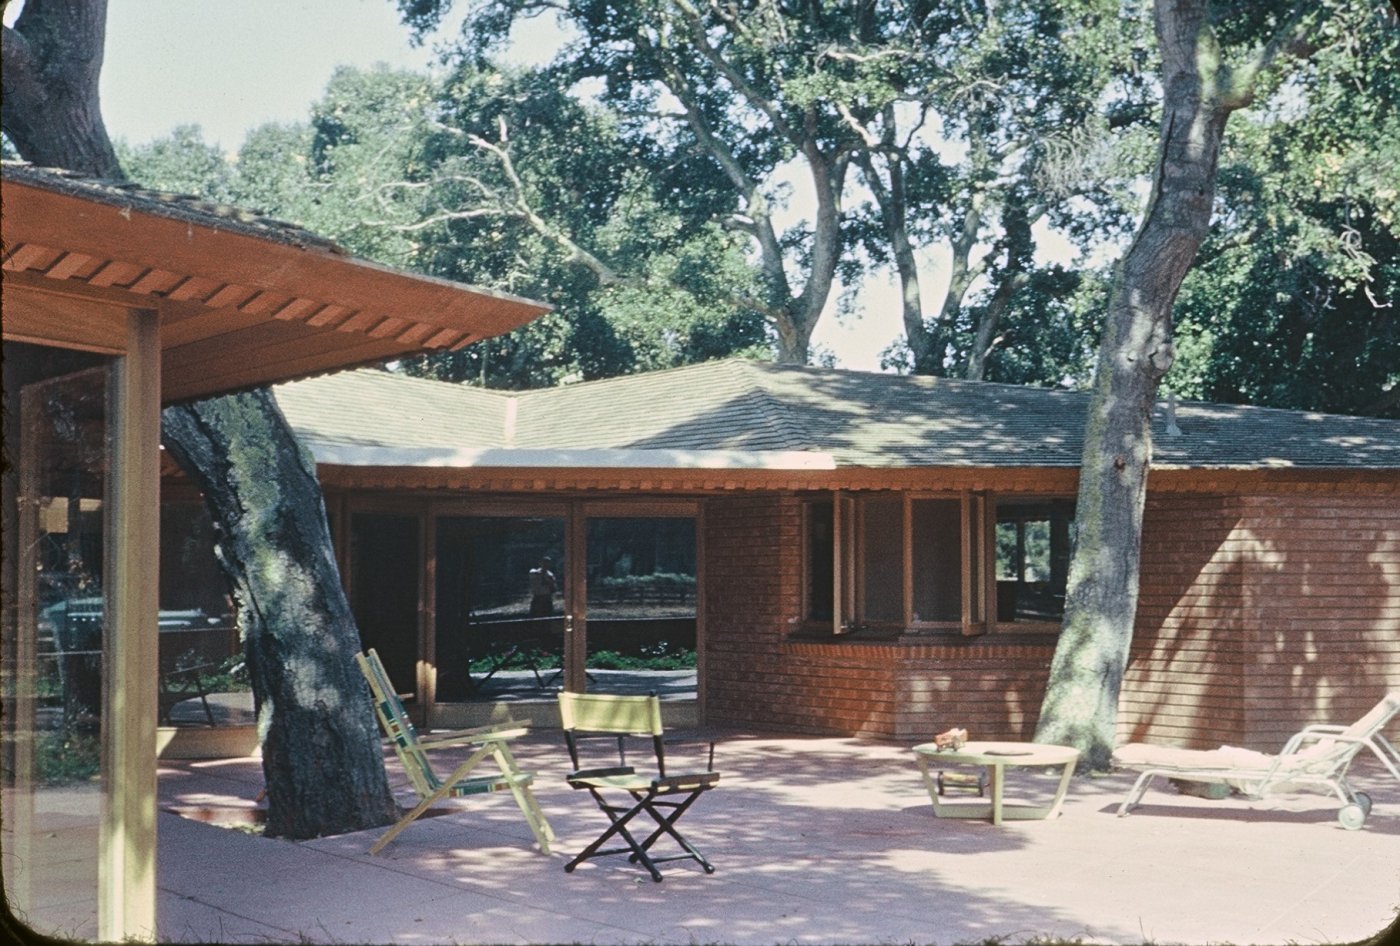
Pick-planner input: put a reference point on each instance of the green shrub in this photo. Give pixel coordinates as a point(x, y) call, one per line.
point(62, 758)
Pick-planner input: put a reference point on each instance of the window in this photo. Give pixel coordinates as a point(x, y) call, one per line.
point(1032, 559)
point(930, 561)
point(938, 559)
point(880, 591)
point(818, 577)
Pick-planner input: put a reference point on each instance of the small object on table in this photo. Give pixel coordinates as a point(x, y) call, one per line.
point(952, 739)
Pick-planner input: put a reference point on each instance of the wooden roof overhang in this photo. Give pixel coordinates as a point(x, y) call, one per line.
point(241, 302)
point(672, 480)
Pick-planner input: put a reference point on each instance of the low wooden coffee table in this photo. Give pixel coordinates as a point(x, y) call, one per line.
point(996, 756)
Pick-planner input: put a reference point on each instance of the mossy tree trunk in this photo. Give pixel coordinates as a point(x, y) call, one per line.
point(1200, 91)
point(321, 751)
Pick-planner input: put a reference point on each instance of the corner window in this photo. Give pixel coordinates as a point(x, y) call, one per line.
point(935, 561)
point(894, 560)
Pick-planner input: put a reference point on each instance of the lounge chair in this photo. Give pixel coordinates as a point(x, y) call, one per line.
point(1318, 755)
point(490, 742)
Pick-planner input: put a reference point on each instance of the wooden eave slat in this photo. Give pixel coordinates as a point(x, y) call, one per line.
point(29, 256)
point(296, 309)
point(236, 258)
point(330, 316)
point(333, 353)
point(116, 273)
point(156, 282)
point(193, 288)
point(69, 264)
point(230, 296)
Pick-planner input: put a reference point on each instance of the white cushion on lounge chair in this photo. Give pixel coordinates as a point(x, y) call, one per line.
point(1231, 765)
point(1140, 754)
point(1315, 756)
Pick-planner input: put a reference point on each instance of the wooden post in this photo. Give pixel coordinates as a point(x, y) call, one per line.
point(575, 654)
point(126, 898)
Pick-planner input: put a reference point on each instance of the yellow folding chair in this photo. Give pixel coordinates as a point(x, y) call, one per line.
point(664, 797)
point(491, 742)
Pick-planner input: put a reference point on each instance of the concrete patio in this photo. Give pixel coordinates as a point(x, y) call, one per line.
point(815, 840)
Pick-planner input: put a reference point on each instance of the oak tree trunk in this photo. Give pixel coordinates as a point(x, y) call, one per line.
point(49, 87)
point(1081, 700)
point(321, 752)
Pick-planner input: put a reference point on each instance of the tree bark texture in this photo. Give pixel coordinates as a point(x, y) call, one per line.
point(321, 750)
point(49, 87)
point(1081, 700)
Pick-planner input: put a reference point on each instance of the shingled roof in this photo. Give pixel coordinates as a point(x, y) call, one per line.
point(836, 418)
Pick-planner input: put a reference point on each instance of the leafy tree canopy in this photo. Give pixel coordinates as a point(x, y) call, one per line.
point(968, 125)
point(382, 160)
point(1295, 301)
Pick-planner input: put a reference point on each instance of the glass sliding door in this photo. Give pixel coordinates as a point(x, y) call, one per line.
point(500, 601)
point(384, 591)
point(56, 512)
point(641, 605)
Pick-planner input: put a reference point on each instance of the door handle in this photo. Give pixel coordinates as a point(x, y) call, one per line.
point(568, 624)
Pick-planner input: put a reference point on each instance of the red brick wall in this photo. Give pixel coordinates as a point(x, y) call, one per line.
point(1187, 663)
point(1322, 609)
point(1260, 614)
point(989, 687)
point(1256, 616)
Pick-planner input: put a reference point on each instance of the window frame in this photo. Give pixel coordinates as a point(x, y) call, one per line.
point(978, 563)
point(996, 623)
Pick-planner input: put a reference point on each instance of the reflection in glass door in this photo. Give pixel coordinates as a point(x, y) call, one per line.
point(641, 601)
point(52, 673)
point(500, 606)
point(384, 592)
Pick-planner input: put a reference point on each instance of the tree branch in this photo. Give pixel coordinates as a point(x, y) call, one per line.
point(1291, 40)
point(740, 84)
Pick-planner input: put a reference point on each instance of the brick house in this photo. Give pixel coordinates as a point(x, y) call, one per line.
point(869, 554)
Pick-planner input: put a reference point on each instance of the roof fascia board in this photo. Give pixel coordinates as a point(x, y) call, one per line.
point(490, 457)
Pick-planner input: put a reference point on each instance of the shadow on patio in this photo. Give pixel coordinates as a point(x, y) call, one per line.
point(815, 840)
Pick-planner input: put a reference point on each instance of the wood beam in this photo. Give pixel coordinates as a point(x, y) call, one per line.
point(126, 899)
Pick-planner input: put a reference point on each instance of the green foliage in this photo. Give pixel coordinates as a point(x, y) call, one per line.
point(182, 163)
point(969, 125)
point(66, 756)
point(660, 656)
point(1295, 300)
point(575, 219)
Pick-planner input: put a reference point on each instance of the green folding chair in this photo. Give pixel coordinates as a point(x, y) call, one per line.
point(491, 742)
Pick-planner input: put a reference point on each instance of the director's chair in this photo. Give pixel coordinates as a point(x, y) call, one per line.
point(663, 797)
